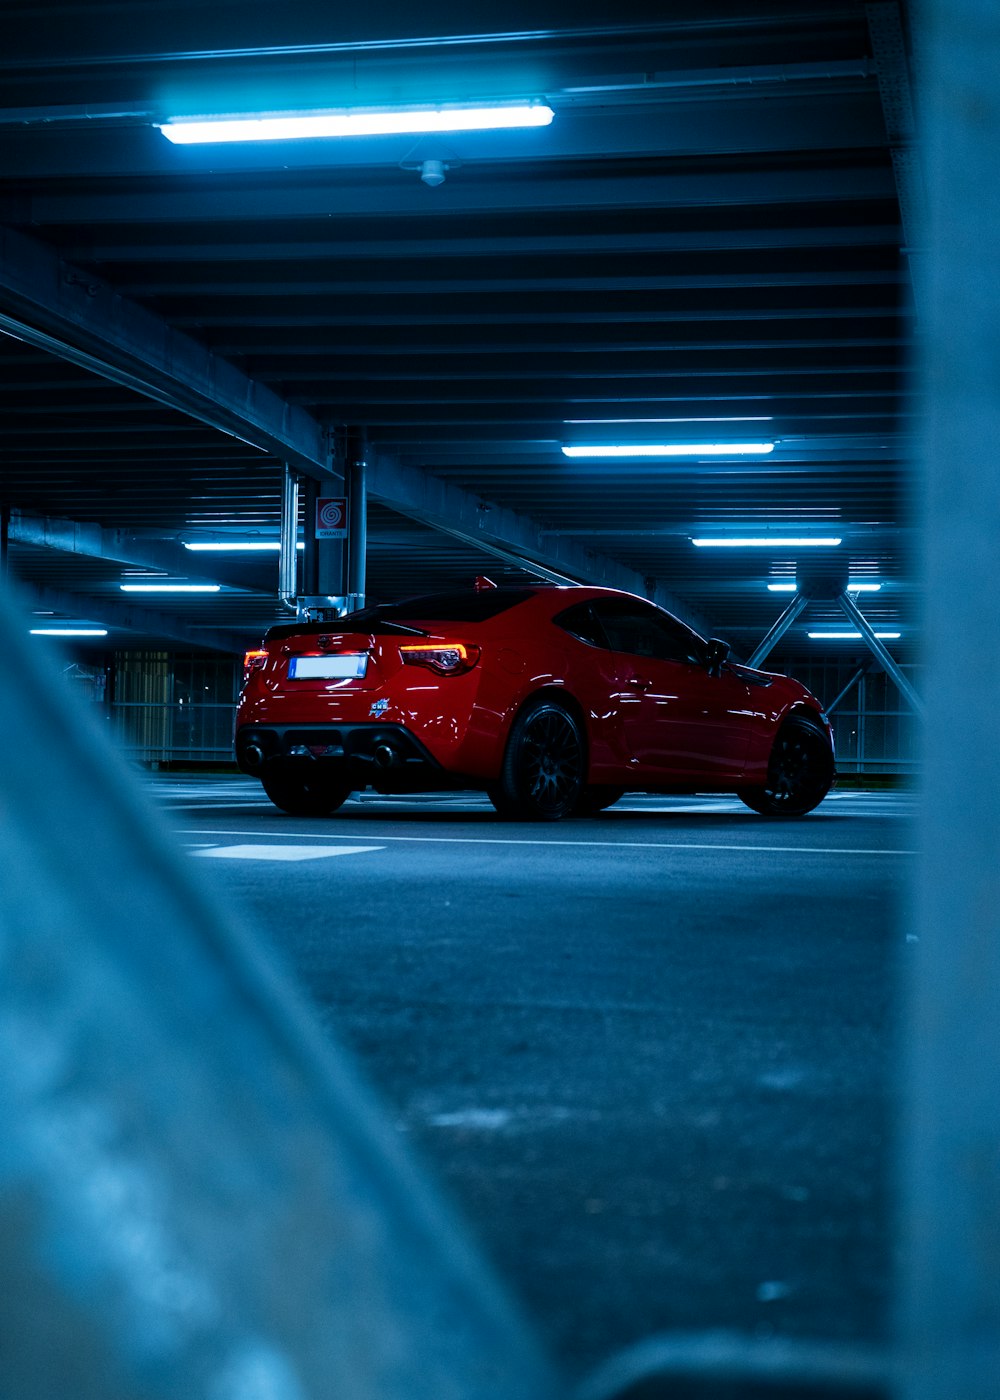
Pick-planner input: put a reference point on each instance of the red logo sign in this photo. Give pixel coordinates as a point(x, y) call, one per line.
point(331, 517)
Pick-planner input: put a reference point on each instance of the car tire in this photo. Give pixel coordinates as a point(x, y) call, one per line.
point(800, 772)
point(306, 796)
point(544, 764)
point(595, 798)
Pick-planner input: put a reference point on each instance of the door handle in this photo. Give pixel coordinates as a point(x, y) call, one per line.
point(638, 683)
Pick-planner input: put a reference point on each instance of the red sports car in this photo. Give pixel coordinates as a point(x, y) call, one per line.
point(554, 701)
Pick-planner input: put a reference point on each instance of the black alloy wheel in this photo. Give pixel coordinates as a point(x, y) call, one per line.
point(799, 775)
point(544, 765)
point(312, 795)
point(595, 798)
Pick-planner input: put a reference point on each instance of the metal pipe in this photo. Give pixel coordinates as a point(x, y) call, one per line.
point(794, 610)
point(357, 517)
point(288, 555)
point(854, 613)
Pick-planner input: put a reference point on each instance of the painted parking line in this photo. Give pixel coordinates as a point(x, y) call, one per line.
point(729, 808)
point(612, 845)
point(259, 852)
point(193, 805)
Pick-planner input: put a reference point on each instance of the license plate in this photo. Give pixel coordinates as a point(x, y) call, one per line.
point(349, 666)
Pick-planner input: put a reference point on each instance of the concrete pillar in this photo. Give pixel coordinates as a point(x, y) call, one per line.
point(950, 1149)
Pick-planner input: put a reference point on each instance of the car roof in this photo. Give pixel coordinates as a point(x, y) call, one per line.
point(459, 605)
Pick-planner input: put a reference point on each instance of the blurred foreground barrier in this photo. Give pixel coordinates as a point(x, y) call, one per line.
point(197, 1199)
point(950, 1157)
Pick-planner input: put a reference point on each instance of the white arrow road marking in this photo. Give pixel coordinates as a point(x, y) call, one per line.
point(284, 852)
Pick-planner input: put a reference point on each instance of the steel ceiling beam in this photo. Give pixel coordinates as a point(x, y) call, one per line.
point(219, 200)
point(212, 287)
point(587, 365)
point(404, 247)
point(56, 307)
point(452, 374)
point(119, 546)
point(534, 319)
point(128, 617)
point(479, 400)
point(430, 317)
point(512, 339)
point(76, 317)
point(163, 34)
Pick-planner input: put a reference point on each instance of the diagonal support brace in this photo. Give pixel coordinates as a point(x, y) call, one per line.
point(794, 610)
point(857, 617)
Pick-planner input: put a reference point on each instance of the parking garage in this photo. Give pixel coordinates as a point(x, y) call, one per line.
point(409, 1099)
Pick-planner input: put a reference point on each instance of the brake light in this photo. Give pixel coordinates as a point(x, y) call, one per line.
point(446, 658)
point(252, 661)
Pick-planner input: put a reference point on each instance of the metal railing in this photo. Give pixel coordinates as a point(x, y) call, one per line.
point(150, 732)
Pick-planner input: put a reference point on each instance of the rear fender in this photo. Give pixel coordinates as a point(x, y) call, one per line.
point(495, 710)
point(602, 763)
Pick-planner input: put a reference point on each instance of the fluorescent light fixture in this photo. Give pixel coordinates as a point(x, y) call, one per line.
point(220, 545)
point(770, 542)
point(671, 449)
point(851, 587)
point(756, 418)
point(851, 636)
point(184, 131)
point(69, 631)
point(170, 587)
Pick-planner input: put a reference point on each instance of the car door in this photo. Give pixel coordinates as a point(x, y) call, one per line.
point(677, 718)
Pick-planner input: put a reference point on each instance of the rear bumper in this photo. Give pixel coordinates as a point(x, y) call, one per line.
point(384, 756)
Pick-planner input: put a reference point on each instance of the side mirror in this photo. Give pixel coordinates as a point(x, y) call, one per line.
point(716, 655)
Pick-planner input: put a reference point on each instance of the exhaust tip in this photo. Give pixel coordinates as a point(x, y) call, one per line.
point(385, 756)
point(253, 755)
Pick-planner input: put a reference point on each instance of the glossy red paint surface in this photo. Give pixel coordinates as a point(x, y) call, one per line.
point(654, 714)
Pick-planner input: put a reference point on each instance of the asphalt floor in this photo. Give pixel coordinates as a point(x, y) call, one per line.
point(649, 1055)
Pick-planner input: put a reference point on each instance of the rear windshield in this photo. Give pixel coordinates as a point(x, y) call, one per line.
point(439, 607)
point(432, 607)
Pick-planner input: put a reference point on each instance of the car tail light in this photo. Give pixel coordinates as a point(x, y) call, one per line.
point(446, 658)
point(252, 661)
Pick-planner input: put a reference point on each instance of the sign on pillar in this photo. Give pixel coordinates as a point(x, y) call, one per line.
point(331, 517)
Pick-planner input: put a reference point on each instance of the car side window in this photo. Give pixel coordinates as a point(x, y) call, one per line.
point(645, 631)
point(579, 621)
